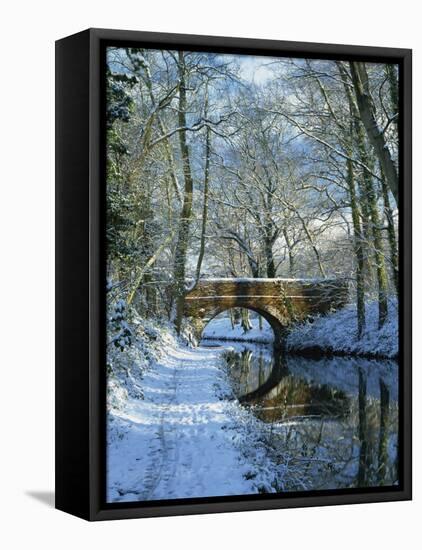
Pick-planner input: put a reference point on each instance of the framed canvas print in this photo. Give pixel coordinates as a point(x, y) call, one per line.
point(233, 274)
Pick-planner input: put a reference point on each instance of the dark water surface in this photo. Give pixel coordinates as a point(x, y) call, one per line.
point(336, 418)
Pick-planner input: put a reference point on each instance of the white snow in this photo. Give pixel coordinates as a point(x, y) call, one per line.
point(337, 332)
point(220, 328)
point(183, 439)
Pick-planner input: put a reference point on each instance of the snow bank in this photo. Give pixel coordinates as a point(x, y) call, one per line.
point(337, 333)
point(127, 364)
point(221, 329)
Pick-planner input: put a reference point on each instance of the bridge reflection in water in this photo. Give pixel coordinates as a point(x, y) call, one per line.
point(337, 418)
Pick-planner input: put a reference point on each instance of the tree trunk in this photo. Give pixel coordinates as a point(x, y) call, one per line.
point(363, 451)
point(394, 93)
point(361, 199)
point(146, 252)
point(290, 252)
point(232, 318)
point(360, 284)
point(246, 321)
point(368, 195)
point(205, 200)
point(170, 161)
point(150, 295)
point(269, 257)
point(383, 433)
point(377, 236)
point(392, 240)
point(358, 228)
point(313, 245)
point(186, 213)
point(375, 135)
point(270, 231)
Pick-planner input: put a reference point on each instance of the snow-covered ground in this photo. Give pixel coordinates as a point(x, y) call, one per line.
point(337, 333)
point(220, 328)
point(187, 436)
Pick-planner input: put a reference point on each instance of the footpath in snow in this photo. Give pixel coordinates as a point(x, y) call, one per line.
point(184, 438)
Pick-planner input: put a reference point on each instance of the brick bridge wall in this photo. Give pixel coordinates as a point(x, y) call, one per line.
point(280, 301)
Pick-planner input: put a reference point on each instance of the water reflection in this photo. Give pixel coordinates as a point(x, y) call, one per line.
point(337, 418)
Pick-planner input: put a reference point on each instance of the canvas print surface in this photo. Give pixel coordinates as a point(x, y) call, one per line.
point(252, 274)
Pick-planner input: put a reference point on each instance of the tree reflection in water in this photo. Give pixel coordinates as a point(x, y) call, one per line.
point(337, 418)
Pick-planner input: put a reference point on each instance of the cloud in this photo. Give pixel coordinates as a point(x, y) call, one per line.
point(255, 68)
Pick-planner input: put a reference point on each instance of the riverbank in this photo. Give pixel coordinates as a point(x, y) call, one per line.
point(175, 429)
point(332, 334)
point(336, 334)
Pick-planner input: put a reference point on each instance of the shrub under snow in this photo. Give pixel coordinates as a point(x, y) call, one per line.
point(134, 346)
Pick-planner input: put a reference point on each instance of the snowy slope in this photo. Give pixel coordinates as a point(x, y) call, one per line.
point(337, 333)
point(182, 439)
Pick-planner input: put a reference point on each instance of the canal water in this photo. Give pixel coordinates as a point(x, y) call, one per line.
point(334, 418)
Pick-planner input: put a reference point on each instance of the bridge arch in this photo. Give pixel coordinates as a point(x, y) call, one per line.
point(275, 324)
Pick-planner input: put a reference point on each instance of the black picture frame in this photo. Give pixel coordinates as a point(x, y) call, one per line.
point(80, 280)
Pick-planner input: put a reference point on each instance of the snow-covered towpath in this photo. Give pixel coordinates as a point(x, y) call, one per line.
point(184, 439)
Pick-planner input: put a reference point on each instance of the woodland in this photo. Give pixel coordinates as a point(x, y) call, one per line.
point(222, 165)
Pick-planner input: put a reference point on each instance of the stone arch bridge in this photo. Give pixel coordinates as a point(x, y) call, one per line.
point(280, 301)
